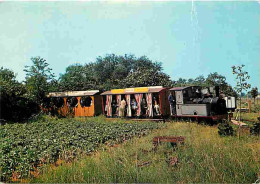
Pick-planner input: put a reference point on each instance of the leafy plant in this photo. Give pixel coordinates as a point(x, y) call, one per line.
point(26, 146)
point(254, 93)
point(242, 84)
point(225, 129)
point(255, 129)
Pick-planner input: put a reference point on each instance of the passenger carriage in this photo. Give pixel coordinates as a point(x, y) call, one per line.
point(141, 102)
point(77, 103)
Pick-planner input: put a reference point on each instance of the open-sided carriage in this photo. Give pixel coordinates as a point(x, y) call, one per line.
point(140, 102)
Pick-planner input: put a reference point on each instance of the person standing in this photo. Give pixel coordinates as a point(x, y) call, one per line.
point(122, 108)
point(157, 108)
point(134, 106)
point(144, 107)
point(172, 102)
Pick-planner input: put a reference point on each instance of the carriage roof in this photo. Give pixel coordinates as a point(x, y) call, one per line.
point(73, 93)
point(138, 90)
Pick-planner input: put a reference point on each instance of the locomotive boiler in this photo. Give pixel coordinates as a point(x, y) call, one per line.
point(197, 103)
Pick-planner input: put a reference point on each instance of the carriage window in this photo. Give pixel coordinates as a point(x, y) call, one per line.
point(185, 93)
point(58, 101)
point(72, 101)
point(88, 102)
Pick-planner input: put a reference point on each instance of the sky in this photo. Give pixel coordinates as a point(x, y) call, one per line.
point(190, 38)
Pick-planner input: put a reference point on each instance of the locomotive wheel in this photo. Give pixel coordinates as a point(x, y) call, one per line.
point(182, 119)
point(202, 121)
point(190, 120)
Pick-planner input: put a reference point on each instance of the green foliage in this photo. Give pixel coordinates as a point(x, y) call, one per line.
point(256, 108)
point(255, 129)
point(14, 107)
point(225, 129)
point(213, 79)
point(205, 157)
point(147, 78)
point(254, 93)
point(241, 77)
point(78, 77)
point(112, 72)
point(38, 77)
point(23, 146)
point(9, 85)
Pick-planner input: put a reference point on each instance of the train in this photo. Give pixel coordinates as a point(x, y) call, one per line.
point(153, 102)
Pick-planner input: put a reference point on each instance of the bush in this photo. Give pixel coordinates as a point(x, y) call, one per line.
point(14, 108)
point(14, 105)
point(225, 129)
point(255, 129)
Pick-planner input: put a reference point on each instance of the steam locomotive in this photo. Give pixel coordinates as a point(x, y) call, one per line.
point(198, 103)
point(193, 102)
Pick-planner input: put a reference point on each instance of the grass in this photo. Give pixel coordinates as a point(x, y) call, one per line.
point(255, 105)
point(250, 116)
point(255, 111)
point(205, 157)
point(26, 147)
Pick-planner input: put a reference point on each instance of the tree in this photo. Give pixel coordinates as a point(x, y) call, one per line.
point(9, 85)
point(13, 106)
point(37, 78)
point(9, 90)
point(200, 81)
point(54, 85)
point(215, 79)
point(112, 72)
point(181, 82)
point(147, 77)
point(74, 79)
point(241, 79)
point(228, 90)
point(254, 93)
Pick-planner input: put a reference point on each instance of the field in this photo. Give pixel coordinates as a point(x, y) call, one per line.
point(205, 156)
point(26, 147)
